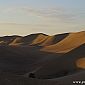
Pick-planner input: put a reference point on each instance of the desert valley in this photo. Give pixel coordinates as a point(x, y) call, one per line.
point(41, 59)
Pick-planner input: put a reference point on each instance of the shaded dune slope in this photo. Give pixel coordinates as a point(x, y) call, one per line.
point(62, 65)
point(25, 40)
point(66, 80)
point(38, 39)
point(6, 40)
point(28, 40)
point(22, 59)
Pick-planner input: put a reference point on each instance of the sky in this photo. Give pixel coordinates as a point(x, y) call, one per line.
point(23, 17)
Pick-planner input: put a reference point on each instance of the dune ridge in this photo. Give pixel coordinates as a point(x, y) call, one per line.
point(41, 38)
point(54, 39)
point(72, 41)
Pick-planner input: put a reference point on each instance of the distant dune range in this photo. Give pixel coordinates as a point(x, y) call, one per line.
point(41, 59)
point(39, 39)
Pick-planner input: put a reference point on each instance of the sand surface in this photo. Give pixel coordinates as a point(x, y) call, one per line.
point(40, 59)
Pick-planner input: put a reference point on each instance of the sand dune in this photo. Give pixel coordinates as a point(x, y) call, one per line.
point(22, 59)
point(54, 39)
point(22, 40)
point(6, 40)
point(48, 41)
point(31, 39)
point(72, 41)
point(40, 59)
point(61, 66)
point(16, 41)
point(41, 38)
point(38, 39)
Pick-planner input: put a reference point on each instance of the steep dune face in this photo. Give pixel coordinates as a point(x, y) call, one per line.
point(32, 39)
point(16, 42)
point(67, 44)
point(48, 41)
point(6, 40)
point(40, 38)
point(54, 39)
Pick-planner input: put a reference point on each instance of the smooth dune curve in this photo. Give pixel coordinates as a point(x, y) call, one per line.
point(39, 39)
point(72, 41)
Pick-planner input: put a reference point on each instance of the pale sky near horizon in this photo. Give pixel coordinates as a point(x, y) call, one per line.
point(22, 17)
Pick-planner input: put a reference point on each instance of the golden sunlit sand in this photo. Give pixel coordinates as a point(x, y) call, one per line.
point(16, 41)
point(41, 38)
point(72, 41)
point(81, 63)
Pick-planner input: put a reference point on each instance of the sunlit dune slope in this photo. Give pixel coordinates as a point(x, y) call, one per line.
point(81, 63)
point(60, 43)
point(72, 41)
point(54, 39)
point(33, 39)
point(16, 41)
point(6, 40)
point(40, 38)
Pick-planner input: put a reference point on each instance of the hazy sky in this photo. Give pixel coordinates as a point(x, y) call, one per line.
point(48, 16)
